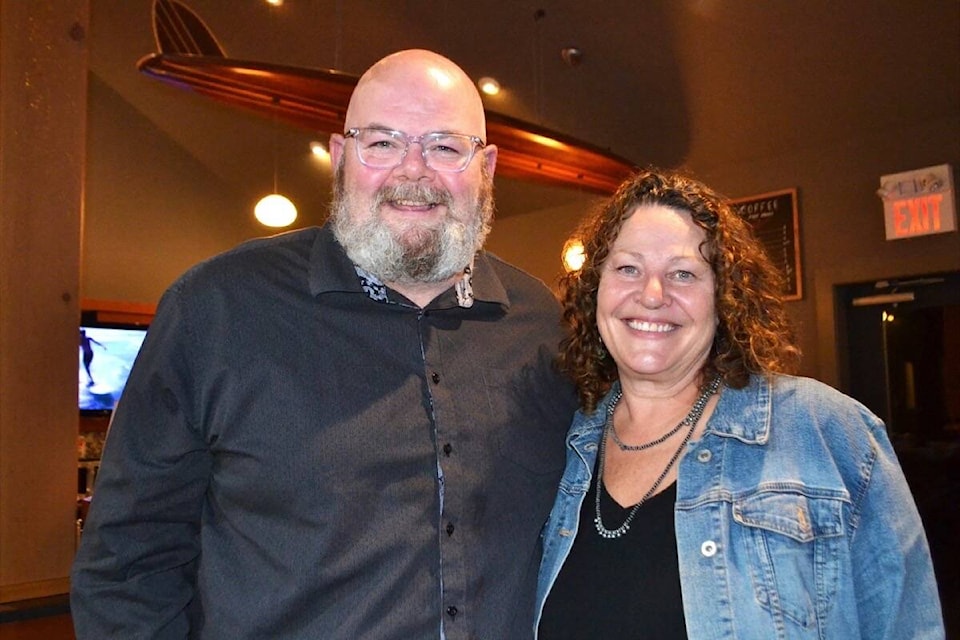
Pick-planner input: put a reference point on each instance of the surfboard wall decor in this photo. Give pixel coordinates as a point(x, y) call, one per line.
point(190, 58)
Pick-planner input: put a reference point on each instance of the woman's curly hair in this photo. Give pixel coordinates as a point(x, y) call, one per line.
point(753, 332)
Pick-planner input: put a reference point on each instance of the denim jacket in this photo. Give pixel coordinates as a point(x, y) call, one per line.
point(793, 520)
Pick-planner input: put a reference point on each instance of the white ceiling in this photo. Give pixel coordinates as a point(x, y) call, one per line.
point(698, 83)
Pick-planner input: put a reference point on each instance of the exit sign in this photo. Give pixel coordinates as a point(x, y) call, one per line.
point(919, 202)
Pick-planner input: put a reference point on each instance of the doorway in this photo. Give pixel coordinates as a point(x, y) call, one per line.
point(900, 356)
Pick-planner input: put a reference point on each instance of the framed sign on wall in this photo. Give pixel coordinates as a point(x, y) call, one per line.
point(775, 220)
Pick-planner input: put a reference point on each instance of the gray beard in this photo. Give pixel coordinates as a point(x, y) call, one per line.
point(414, 255)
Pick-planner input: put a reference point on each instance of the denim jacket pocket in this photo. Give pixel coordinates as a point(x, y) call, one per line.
point(794, 543)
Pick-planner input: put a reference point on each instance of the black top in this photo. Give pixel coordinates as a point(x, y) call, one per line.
point(625, 588)
point(301, 453)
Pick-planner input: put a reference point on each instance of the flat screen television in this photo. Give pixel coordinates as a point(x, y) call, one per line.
point(105, 356)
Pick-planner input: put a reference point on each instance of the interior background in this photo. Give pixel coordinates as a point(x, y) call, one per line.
point(750, 96)
point(112, 184)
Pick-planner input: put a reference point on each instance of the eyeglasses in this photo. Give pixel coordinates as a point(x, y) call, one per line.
point(385, 148)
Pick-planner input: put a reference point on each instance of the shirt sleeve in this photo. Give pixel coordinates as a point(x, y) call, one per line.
point(893, 572)
point(135, 570)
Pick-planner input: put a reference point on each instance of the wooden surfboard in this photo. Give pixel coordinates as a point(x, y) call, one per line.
point(190, 58)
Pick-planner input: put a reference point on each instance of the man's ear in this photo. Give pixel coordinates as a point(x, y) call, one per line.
point(336, 149)
point(490, 158)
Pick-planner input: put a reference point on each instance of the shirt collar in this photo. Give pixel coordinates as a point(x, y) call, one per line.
point(332, 271)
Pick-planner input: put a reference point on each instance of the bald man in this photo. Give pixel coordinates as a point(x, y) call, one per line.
point(350, 431)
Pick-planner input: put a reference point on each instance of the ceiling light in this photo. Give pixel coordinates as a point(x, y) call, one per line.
point(275, 3)
point(275, 210)
point(489, 85)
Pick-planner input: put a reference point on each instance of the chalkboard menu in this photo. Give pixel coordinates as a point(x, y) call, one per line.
point(773, 217)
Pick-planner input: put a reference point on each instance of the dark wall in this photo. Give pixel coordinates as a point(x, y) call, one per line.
point(841, 218)
point(842, 238)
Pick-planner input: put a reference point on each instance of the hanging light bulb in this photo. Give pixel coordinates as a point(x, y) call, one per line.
point(275, 210)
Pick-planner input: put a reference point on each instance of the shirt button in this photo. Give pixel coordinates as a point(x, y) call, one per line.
point(447, 448)
point(450, 528)
point(709, 549)
point(704, 455)
point(452, 611)
point(435, 377)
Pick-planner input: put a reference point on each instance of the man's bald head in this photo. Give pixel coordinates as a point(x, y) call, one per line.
point(445, 96)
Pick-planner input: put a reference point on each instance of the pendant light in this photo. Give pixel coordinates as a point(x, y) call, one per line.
point(275, 210)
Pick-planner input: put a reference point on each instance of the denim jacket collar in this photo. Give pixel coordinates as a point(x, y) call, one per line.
point(587, 428)
point(744, 414)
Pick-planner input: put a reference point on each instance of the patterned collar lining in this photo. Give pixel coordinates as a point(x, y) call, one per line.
point(372, 286)
point(377, 291)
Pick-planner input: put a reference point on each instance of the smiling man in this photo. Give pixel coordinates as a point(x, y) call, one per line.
point(352, 431)
point(413, 199)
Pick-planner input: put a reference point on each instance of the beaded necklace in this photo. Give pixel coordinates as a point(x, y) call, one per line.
point(691, 419)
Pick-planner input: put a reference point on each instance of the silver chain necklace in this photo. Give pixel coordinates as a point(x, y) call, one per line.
point(696, 411)
point(623, 446)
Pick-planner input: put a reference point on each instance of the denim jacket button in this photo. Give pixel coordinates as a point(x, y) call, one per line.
point(708, 548)
point(704, 455)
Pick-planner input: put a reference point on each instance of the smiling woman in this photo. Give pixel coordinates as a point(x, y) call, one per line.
point(655, 303)
point(705, 486)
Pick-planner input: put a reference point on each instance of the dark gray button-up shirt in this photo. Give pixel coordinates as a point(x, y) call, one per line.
point(292, 458)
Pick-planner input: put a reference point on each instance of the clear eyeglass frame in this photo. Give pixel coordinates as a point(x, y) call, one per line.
point(386, 148)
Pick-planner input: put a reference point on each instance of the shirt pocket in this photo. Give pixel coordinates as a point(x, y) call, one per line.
point(793, 543)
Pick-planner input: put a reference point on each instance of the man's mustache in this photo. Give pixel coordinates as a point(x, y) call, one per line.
point(413, 193)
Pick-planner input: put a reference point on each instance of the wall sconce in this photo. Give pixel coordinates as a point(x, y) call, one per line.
point(573, 256)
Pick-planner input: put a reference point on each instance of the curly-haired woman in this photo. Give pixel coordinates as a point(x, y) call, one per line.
point(709, 493)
